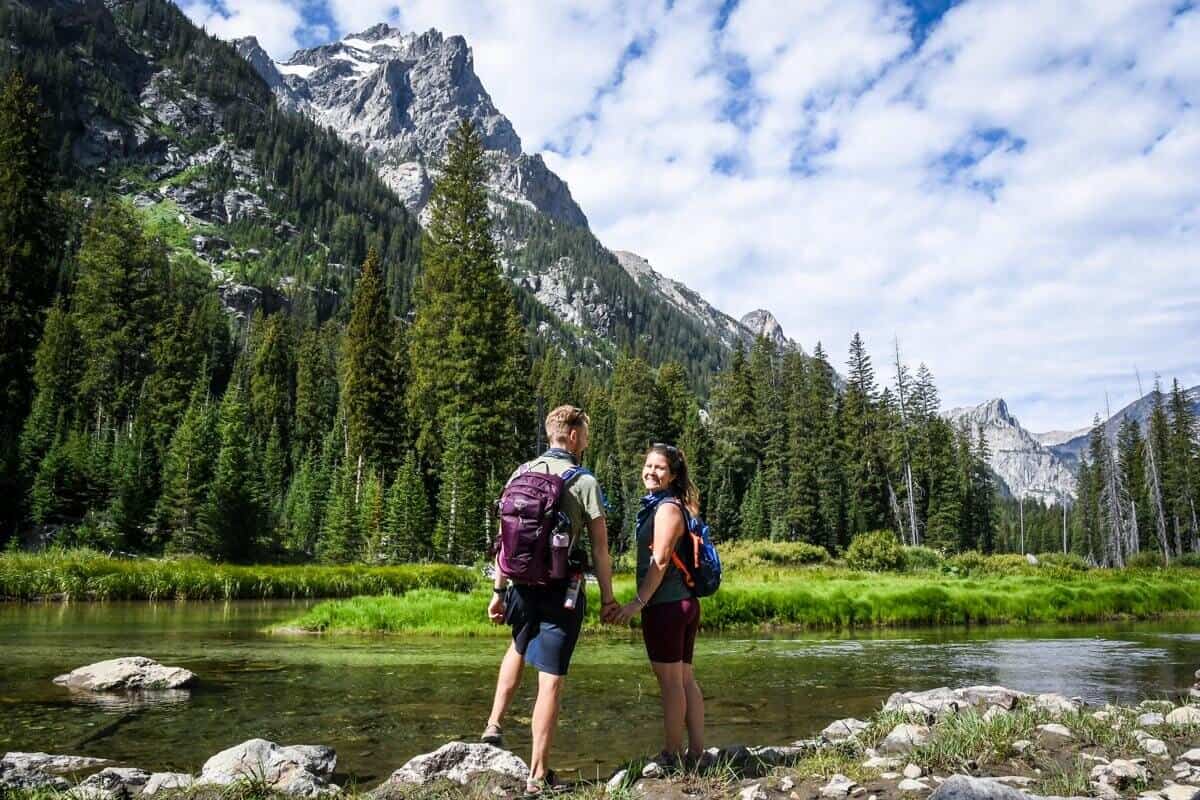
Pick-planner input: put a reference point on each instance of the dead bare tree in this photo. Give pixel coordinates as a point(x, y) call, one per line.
point(1155, 484)
point(1113, 499)
point(901, 386)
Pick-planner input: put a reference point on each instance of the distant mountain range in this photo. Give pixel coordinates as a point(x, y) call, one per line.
point(1042, 466)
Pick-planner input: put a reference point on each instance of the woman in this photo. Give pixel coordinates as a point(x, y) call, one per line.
point(670, 613)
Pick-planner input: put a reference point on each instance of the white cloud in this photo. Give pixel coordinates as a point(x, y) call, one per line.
point(276, 23)
point(1014, 198)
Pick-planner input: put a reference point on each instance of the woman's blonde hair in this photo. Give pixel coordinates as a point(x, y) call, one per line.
point(681, 483)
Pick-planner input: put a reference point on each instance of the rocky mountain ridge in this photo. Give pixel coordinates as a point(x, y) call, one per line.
point(1028, 468)
point(399, 96)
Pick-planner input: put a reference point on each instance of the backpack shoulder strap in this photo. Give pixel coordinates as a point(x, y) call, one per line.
point(675, 559)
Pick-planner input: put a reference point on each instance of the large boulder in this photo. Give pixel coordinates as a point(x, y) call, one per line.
point(460, 762)
point(964, 787)
point(133, 673)
point(54, 764)
point(302, 770)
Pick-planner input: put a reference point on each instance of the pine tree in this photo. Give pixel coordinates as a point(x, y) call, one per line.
point(372, 403)
point(340, 541)
point(677, 400)
point(272, 367)
point(234, 516)
point(459, 531)
point(734, 425)
point(55, 374)
point(1183, 457)
point(467, 348)
point(370, 518)
point(132, 501)
point(316, 387)
point(947, 481)
point(27, 251)
point(755, 524)
point(862, 447)
point(118, 305)
point(1131, 459)
point(639, 412)
point(187, 473)
point(983, 497)
point(408, 522)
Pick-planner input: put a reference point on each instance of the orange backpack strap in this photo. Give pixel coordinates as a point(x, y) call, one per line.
point(675, 559)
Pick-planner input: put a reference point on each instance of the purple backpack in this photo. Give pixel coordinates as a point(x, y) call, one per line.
point(530, 516)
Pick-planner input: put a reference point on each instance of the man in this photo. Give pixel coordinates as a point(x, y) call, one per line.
point(544, 632)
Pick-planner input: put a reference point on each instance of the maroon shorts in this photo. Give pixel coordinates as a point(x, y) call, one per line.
point(669, 630)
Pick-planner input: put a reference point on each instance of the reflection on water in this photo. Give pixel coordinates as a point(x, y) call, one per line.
point(128, 701)
point(379, 700)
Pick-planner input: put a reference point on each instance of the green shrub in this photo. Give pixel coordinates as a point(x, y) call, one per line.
point(1067, 561)
point(968, 562)
point(922, 558)
point(877, 551)
point(1146, 559)
point(749, 555)
point(1187, 560)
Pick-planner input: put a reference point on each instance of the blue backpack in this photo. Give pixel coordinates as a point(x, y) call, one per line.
point(700, 564)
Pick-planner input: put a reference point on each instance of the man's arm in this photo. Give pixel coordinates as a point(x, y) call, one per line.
point(601, 561)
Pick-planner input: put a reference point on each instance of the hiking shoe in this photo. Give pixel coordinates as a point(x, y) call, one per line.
point(492, 735)
point(545, 785)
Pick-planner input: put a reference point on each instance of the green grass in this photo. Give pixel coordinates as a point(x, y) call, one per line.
point(88, 575)
point(820, 598)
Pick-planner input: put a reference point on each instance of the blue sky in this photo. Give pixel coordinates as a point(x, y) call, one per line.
point(1008, 188)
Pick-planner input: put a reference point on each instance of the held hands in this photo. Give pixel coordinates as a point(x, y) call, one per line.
point(609, 609)
point(627, 612)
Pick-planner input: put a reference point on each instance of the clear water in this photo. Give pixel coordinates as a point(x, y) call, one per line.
point(381, 700)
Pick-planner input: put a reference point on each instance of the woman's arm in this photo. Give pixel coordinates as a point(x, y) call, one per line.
point(668, 527)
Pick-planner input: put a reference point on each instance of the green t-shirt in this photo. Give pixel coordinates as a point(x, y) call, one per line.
point(581, 502)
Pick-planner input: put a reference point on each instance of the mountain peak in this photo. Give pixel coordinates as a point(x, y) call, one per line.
point(762, 322)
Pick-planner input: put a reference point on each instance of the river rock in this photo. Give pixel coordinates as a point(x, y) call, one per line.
point(1180, 791)
point(964, 787)
point(24, 779)
point(842, 729)
point(903, 739)
point(839, 786)
point(1021, 745)
point(55, 764)
point(1053, 732)
point(112, 783)
point(1116, 776)
point(913, 771)
point(1154, 747)
point(166, 781)
point(1150, 719)
point(881, 763)
point(1192, 756)
point(994, 713)
point(910, 785)
point(460, 762)
point(787, 784)
point(126, 674)
point(1056, 703)
point(1184, 715)
point(302, 770)
point(753, 792)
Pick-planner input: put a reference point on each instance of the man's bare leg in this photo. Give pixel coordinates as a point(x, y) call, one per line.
point(545, 720)
point(506, 684)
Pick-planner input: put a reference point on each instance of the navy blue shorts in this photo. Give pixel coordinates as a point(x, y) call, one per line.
point(544, 632)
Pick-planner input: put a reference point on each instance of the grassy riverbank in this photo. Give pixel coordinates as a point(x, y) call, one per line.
point(87, 575)
point(821, 597)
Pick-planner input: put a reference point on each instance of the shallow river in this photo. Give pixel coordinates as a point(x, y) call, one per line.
point(379, 701)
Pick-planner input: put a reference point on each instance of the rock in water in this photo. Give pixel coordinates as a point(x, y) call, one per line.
point(460, 762)
point(126, 674)
point(45, 762)
point(903, 739)
point(302, 770)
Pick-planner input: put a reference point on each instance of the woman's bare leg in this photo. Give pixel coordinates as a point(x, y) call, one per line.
point(674, 703)
point(695, 712)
